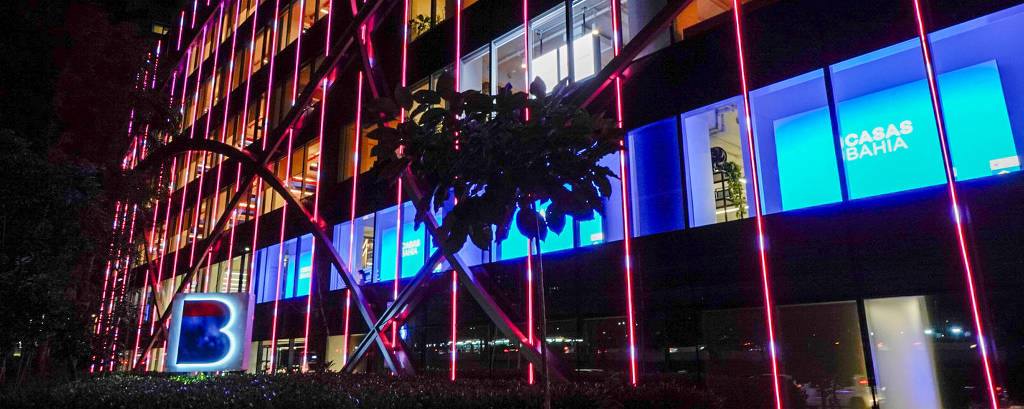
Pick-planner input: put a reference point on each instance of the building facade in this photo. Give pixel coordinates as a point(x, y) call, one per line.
point(809, 176)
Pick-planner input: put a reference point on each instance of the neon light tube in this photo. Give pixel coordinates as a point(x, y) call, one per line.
point(529, 251)
point(330, 15)
point(163, 242)
point(947, 163)
point(194, 4)
point(280, 258)
point(624, 188)
point(244, 124)
point(316, 215)
point(352, 208)
point(455, 308)
point(207, 157)
point(529, 306)
point(288, 155)
point(181, 28)
point(223, 139)
point(455, 275)
point(762, 251)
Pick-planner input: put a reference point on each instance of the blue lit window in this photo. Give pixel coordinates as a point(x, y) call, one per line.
point(292, 264)
point(795, 148)
point(361, 263)
point(414, 242)
point(716, 162)
point(887, 125)
point(656, 180)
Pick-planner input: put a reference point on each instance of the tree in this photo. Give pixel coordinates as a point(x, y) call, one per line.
point(66, 97)
point(495, 158)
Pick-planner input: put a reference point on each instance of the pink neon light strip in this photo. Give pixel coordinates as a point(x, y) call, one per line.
point(352, 208)
point(242, 144)
point(181, 28)
point(330, 15)
point(316, 215)
point(455, 321)
point(762, 251)
point(106, 274)
point(455, 275)
point(626, 216)
point(288, 155)
point(223, 138)
point(280, 255)
point(194, 4)
point(163, 243)
point(947, 162)
point(206, 156)
point(529, 244)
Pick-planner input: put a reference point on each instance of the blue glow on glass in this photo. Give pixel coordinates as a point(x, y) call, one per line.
point(806, 160)
point(413, 251)
point(890, 142)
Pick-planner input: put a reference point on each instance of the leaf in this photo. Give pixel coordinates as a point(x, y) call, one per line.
point(403, 97)
point(555, 218)
point(433, 117)
point(383, 134)
point(530, 223)
point(426, 96)
point(445, 85)
point(537, 88)
point(604, 186)
point(481, 236)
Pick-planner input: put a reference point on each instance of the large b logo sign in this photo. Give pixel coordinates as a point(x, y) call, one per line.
point(209, 332)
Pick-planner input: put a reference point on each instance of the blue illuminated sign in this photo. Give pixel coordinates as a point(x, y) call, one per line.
point(890, 142)
point(413, 251)
point(210, 332)
point(889, 139)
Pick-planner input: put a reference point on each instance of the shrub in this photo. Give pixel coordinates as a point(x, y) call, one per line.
point(332, 390)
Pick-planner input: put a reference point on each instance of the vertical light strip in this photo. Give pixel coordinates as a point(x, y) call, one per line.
point(330, 20)
point(194, 4)
point(455, 315)
point(947, 162)
point(529, 244)
point(163, 242)
point(147, 283)
point(319, 223)
point(627, 240)
point(455, 275)
point(298, 52)
point(280, 255)
point(356, 146)
point(259, 190)
point(189, 171)
point(181, 28)
point(755, 180)
point(106, 274)
point(223, 139)
point(244, 124)
point(124, 286)
point(206, 156)
point(529, 307)
point(398, 210)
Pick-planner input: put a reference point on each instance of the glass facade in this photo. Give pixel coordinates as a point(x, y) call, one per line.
point(846, 148)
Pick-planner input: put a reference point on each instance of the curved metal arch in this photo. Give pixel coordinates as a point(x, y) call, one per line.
point(396, 358)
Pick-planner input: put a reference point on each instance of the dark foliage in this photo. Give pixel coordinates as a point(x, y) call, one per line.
point(332, 390)
point(482, 150)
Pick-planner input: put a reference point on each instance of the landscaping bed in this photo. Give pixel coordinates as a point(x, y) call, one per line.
point(332, 390)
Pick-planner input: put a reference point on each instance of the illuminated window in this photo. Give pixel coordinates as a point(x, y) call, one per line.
point(509, 60)
point(716, 162)
point(548, 52)
point(476, 71)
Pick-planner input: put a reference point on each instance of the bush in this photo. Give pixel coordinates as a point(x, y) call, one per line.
point(331, 390)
